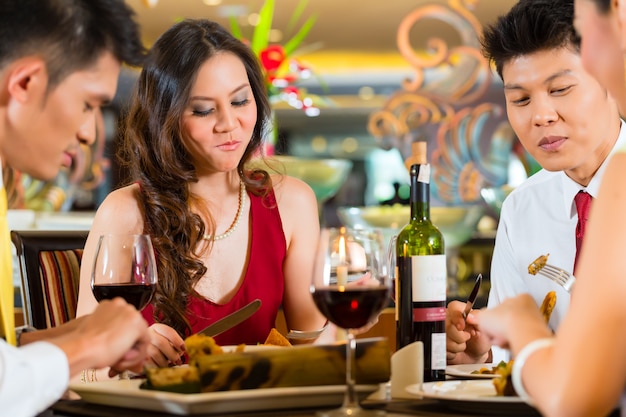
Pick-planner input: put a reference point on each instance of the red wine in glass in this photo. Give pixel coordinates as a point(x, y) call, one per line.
point(138, 295)
point(350, 286)
point(351, 308)
point(124, 266)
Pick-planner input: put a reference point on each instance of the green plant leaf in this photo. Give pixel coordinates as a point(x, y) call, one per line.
point(235, 29)
point(261, 35)
point(296, 15)
point(297, 39)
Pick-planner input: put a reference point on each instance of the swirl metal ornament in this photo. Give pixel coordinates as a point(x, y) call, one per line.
point(461, 166)
point(445, 100)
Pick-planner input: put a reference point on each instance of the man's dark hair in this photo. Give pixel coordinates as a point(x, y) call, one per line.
point(530, 26)
point(69, 34)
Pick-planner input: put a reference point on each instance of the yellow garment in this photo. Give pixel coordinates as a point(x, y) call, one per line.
point(7, 309)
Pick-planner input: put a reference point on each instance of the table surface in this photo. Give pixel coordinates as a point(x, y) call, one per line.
point(395, 408)
point(398, 408)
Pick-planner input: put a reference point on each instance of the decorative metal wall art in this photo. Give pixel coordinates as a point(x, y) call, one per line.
point(446, 105)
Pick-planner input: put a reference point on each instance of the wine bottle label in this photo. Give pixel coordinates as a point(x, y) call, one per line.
point(429, 313)
point(423, 175)
point(438, 356)
point(429, 278)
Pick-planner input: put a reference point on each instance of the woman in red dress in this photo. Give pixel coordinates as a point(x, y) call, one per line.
point(223, 234)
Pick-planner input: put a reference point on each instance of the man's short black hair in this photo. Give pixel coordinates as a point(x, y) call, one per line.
point(530, 26)
point(69, 34)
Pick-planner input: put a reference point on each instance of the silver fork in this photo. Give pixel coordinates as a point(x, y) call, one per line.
point(558, 275)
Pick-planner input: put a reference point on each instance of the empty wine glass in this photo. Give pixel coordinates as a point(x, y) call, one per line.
point(350, 286)
point(124, 266)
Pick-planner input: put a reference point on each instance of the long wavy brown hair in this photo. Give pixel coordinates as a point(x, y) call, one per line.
point(152, 149)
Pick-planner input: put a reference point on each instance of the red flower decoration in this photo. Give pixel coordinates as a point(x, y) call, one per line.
point(272, 57)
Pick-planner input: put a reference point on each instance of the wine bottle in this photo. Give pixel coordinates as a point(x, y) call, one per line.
point(421, 276)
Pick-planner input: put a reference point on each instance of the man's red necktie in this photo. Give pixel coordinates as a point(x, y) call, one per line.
point(583, 203)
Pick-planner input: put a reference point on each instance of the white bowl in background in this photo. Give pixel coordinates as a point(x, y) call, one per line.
point(457, 223)
point(21, 219)
point(66, 220)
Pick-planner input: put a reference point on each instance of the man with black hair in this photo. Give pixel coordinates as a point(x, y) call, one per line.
point(571, 126)
point(59, 63)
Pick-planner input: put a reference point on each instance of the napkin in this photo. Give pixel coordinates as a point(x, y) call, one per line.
point(407, 368)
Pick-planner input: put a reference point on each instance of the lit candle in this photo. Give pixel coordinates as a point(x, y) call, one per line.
point(342, 268)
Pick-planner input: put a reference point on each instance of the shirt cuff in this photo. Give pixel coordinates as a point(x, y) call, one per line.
point(39, 371)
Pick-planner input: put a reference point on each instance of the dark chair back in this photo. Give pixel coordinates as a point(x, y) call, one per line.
point(49, 263)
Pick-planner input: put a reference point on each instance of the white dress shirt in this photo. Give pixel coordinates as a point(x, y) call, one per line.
point(32, 377)
point(539, 217)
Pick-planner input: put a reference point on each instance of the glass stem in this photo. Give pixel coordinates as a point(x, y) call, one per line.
point(350, 400)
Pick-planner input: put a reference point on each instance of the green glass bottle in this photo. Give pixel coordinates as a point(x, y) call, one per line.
point(421, 278)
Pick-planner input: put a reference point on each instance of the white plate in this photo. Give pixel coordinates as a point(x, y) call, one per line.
point(478, 396)
point(126, 393)
point(465, 371)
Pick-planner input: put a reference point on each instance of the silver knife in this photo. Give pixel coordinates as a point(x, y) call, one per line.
point(472, 298)
point(232, 319)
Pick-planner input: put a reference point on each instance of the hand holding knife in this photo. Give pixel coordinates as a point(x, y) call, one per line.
point(472, 298)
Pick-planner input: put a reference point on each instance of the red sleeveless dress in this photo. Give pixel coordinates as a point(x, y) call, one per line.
point(263, 279)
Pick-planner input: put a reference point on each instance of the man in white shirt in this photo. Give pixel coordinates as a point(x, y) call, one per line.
point(570, 125)
point(59, 62)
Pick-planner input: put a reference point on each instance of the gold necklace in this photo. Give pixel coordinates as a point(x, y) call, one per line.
point(235, 223)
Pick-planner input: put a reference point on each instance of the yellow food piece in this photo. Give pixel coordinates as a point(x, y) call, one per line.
point(548, 304)
point(182, 379)
point(275, 338)
point(502, 383)
point(198, 345)
point(173, 375)
point(537, 264)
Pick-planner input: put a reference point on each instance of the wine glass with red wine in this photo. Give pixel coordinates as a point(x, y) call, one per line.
point(350, 286)
point(125, 267)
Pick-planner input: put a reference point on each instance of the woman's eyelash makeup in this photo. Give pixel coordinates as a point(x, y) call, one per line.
point(198, 112)
point(206, 112)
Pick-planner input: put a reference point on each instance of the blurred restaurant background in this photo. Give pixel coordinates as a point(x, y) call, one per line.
point(367, 81)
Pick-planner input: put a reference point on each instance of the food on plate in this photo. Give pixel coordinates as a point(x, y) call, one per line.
point(275, 338)
point(181, 379)
point(198, 345)
point(489, 370)
point(503, 383)
point(537, 264)
point(213, 369)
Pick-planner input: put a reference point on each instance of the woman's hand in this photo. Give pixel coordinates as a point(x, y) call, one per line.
point(166, 346)
point(514, 322)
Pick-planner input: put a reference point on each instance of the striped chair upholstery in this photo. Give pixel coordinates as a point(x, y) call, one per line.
point(60, 295)
point(50, 271)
